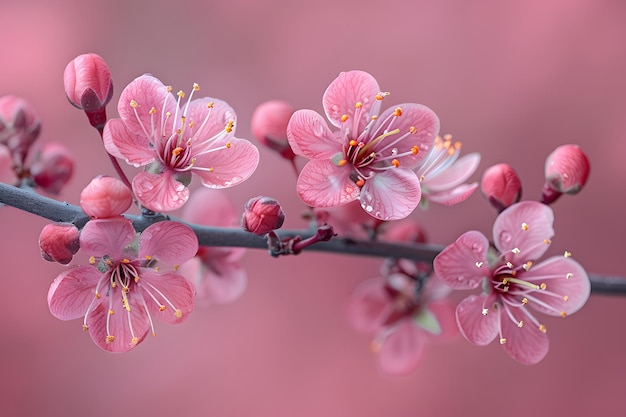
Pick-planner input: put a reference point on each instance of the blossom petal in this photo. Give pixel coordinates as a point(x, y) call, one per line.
point(343, 93)
point(127, 328)
point(309, 136)
point(173, 291)
point(414, 117)
point(122, 143)
point(526, 229)
point(402, 349)
point(209, 207)
point(147, 92)
point(567, 286)
point(231, 162)
point(453, 196)
point(323, 184)
point(369, 306)
point(463, 264)
point(72, 292)
point(209, 118)
point(478, 328)
point(7, 174)
point(109, 237)
point(219, 281)
point(159, 192)
point(526, 344)
point(454, 175)
point(172, 243)
point(391, 195)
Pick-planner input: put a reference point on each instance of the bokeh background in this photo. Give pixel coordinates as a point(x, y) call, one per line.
point(511, 79)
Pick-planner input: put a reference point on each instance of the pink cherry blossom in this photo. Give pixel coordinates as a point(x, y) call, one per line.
point(125, 286)
point(173, 139)
point(371, 157)
point(216, 272)
point(20, 126)
point(52, 166)
point(513, 284)
point(402, 319)
point(443, 173)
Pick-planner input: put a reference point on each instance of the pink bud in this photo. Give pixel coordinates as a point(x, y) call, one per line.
point(59, 242)
point(53, 167)
point(567, 170)
point(19, 126)
point(89, 87)
point(269, 126)
point(501, 186)
point(105, 197)
point(262, 215)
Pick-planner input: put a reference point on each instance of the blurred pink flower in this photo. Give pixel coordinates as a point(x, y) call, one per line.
point(513, 285)
point(216, 271)
point(443, 173)
point(123, 288)
point(52, 166)
point(173, 140)
point(20, 126)
point(403, 317)
point(371, 157)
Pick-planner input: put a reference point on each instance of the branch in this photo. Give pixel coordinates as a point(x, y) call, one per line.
point(56, 211)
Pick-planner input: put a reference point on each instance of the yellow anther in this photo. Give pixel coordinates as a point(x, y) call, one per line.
point(169, 88)
point(161, 307)
point(502, 340)
point(177, 151)
point(509, 265)
point(98, 295)
point(547, 241)
point(374, 117)
point(415, 149)
point(412, 130)
point(229, 126)
point(395, 163)
point(176, 267)
point(447, 137)
point(515, 251)
point(137, 279)
point(527, 266)
point(563, 313)
point(353, 142)
point(210, 105)
point(514, 273)
point(126, 261)
point(134, 340)
point(168, 114)
point(360, 182)
point(485, 311)
point(542, 328)
point(181, 94)
point(568, 275)
point(110, 338)
point(520, 324)
point(397, 112)
point(524, 300)
point(148, 257)
point(358, 105)
point(379, 97)
point(153, 110)
point(479, 264)
point(543, 286)
point(505, 281)
point(344, 118)
point(111, 312)
point(133, 104)
point(211, 169)
point(343, 162)
point(565, 298)
point(524, 226)
point(567, 254)
point(196, 87)
point(228, 145)
point(85, 327)
point(178, 313)
point(92, 260)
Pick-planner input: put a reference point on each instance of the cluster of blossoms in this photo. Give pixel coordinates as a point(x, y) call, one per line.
point(372, 167)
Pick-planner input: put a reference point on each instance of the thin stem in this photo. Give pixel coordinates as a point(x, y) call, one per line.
point(220, 236)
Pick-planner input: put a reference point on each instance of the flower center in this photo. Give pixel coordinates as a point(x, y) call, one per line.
point(441, 157)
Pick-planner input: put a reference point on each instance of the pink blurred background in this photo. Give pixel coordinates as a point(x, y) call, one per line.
point(512, 80)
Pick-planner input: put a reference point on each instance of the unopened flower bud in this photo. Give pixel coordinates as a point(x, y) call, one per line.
point(53, 167)
point(19, 126)
point(269, 126)
point(501, 186)
point(89, 87)
point(566, 171)
point(105, 197)
point(59, 242)
point(262, 215)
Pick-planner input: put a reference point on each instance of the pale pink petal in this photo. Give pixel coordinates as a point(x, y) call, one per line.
point(324, 184)
point(120, 322)
point(463, 264)
point(228, 166)
point(567, 286)
point(7, 174)
point(210, 208)
point(369, 306)
point(147, 92)
point(402, 349)
point(526, 344)
point(478, 328)
point(220, 282)
point(109, 237)
point(454, 196)
point(525, 228)
point(309, 136)
point(414, 117)
point(159, 192)
point(391, 195)
point(454, 175)
point(131, 147)
point(72, 292)
point(172, 290)
point(208, 122)
point(348, 89)
point(172, 243)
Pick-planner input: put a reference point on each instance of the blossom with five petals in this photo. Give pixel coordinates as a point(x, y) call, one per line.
point(513, 284)
point(174, 139)
point(371, 157)
point(123, 288)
